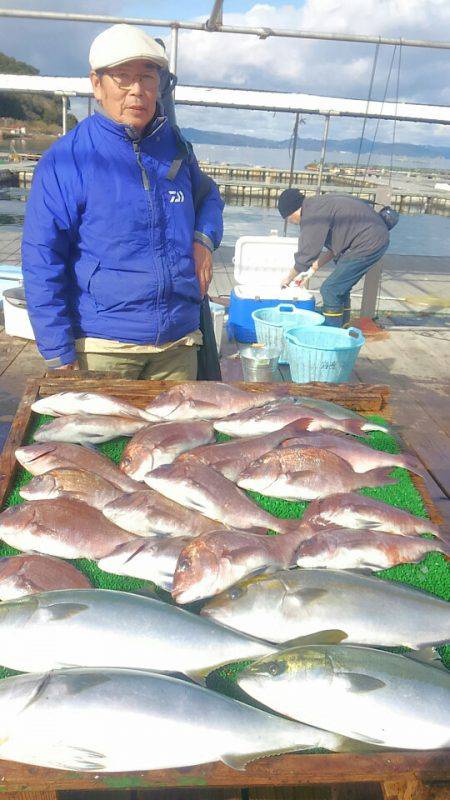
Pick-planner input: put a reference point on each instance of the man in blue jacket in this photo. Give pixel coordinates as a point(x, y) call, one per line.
point(120, 228)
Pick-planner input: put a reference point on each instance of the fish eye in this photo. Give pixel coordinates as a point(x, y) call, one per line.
point(126, 460)
point(235, 593)
point(275, 668)
point(184, 565)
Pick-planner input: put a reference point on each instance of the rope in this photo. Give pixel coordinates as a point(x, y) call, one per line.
point(396, 109)
point(378, 121)
point(369, 97)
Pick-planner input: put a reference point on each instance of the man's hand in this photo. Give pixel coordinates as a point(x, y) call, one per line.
point(203, 266)
point(68, 367)
point(289, 278)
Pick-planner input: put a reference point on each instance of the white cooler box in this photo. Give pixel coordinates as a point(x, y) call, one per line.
point(17, 321)
point(260, 264)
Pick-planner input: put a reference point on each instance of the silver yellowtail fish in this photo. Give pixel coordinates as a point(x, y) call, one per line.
point(301, 602)
point(110, 720)
point(152, 559)
point(352, 510)
point(260, 421)
point(204, 400)
point(65, 528)
point(57, 405)
point(306, 473)
point(88, 428)
point(44, 456)
point(372, 695)
point(31, 573)
point(76, 484)
point(341, 412)
point(203, 489)
point(211, 563)
point(149, 513)
point(161, 444)
point(360, 457)
point(101, 628)
point(231, 458)
point(347, 548)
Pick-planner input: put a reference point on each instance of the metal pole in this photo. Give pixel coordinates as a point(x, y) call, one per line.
point(294, 150)
point(89, 106)
point(64, 114)
point(324, 150)
point(173, 51)
point(262, 33)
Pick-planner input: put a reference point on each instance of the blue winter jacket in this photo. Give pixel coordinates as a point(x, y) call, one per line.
point(108, 237)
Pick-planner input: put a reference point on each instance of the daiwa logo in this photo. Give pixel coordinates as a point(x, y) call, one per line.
point(176, 196)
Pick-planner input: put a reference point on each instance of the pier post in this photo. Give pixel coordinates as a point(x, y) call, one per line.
point(324, 150)
point(294, 150)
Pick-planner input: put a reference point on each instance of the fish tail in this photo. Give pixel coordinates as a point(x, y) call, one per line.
point(296, 427)
point(410, 462)
point(354, 426)
point(379, 477)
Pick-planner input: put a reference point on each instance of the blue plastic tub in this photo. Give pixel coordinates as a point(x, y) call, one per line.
point(322, 353)
point(270, 323)
point(241, 325)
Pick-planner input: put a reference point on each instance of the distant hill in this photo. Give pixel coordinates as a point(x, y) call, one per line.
point(44, 111)
point(347, 145)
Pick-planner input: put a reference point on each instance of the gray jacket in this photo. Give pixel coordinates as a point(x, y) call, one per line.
point(347, 226)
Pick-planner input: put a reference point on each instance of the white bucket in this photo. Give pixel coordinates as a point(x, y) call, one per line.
point(218, 316)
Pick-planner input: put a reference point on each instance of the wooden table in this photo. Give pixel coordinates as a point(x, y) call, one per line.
point(422, 775)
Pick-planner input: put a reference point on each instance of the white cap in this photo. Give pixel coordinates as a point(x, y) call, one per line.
point(121, 43)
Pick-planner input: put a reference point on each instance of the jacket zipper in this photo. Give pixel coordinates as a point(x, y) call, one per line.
point(146, 184)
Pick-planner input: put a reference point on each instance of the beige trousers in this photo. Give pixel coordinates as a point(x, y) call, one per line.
point(176, 364)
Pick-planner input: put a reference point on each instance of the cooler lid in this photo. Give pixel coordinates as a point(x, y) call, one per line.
point(265, 259)
point(287, 295)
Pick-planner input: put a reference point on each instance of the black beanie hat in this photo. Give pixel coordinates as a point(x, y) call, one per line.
point(289, 201)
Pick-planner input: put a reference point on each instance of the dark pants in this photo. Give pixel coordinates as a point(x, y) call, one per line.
point(335, 290)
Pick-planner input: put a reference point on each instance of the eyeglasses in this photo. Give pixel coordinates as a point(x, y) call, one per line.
point(124, 80)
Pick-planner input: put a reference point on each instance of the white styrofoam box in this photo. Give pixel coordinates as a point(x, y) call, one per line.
point(263, 259)
point(218, 316)
point(258, 292)
point(17, 321)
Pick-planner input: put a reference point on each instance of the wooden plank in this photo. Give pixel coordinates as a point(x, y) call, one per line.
point(291, 770)
point(356, 791)
point(407, 789)
point(288, 793)
point(10, 348)
point(188, 794)
point(359, 397)
point(44, 794)
point(15, 438)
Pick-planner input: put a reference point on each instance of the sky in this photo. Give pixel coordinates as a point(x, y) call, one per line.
point(315, 67)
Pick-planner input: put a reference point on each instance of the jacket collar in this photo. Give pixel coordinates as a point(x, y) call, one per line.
point(128, 131)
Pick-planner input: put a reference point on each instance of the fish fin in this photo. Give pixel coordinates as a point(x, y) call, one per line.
point(40, 689)
point(69, 758)
point(354, 426)
point(360, 745)
point(362, 738)
point(59, 611)
point(427, 655)
point(308, 595)
point(238, 762)
point(332, 636)
point(357, 683)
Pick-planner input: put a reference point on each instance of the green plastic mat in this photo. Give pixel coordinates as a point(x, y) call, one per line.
point(432, 574)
